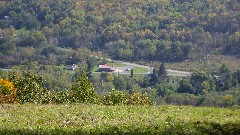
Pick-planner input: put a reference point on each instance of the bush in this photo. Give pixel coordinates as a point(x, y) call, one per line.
point(83, 90)
point(115, 97)
point(30, 89)
point(7, 92)
point(62, 97)
point(138, 99)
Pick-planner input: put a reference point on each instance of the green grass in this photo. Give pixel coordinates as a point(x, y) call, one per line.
point(139, 70)
point(95, 69)
point(116, 64)
point(213, 63)
point(99, 119)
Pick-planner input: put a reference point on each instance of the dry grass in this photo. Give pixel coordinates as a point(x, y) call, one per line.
point(213, 63)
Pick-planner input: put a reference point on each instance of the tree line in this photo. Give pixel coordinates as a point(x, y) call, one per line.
point(47, 85)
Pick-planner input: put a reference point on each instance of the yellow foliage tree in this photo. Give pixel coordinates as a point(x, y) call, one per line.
point(7, 92)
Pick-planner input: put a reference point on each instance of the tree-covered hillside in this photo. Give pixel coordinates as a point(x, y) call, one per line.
point(159, 30)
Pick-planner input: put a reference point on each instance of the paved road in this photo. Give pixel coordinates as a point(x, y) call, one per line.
point(3, 69)
point(122, 70)
point(170, 72)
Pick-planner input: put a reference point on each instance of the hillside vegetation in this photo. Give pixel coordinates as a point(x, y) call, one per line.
point(38, 38)
point(150, 30)
point(99, 119)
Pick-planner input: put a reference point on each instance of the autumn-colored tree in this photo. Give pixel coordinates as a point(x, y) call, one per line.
point(7, 92)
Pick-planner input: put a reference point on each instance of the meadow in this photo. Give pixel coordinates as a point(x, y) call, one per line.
point(210, 64)
point(101, 119)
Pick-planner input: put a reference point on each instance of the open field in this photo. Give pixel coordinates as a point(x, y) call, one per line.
point(139, 70)
point(213, 63)
point(99, 119)
point(116, 64)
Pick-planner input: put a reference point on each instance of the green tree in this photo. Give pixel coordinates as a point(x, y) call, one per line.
point(228, 100)
point(30, 88)
point(164, 89)
point(197, 80)
point(115, 97)
point(49, 18)
point(162, 70)
point(162, 73)
point(91, 62)
point(223, 69)
point(83, 90)
point(154, 78)
point(238, 100)
point(119, 83)
point(186, 49)
point(185, 87)
point(131, 72)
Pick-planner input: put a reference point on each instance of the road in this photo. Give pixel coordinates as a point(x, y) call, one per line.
point(122, 70)
point(3, 69)
point(170, 72)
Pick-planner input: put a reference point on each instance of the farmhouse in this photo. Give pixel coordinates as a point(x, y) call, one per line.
point(106, 68)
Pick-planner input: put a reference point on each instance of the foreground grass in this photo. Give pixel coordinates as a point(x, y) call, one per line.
point(98, 119)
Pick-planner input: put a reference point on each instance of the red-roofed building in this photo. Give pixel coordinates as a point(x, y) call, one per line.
point(106, 68)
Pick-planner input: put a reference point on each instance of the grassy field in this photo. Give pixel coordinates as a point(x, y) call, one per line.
point(213, 63)
point(138, 70)
point(99, 119)
point(95, 69)
point(116, 64)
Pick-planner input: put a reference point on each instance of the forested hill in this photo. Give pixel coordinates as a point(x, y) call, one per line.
point(161, 30)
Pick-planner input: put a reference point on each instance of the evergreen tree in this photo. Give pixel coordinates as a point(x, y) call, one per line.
point(154, 79)
point(224, 69)
point(162, 70)
point(162, 73)
point(131, 72)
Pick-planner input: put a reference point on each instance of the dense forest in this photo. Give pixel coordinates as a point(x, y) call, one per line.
point(151, 30)
point(41, 36)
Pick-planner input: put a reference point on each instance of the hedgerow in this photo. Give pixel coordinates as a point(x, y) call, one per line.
point(29, 88)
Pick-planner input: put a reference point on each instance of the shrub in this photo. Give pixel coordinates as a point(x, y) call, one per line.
point(115, 97)
point(138, 99)
point(62, 97)
point(30, 89)
point(83, 90)
point(7, 92)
